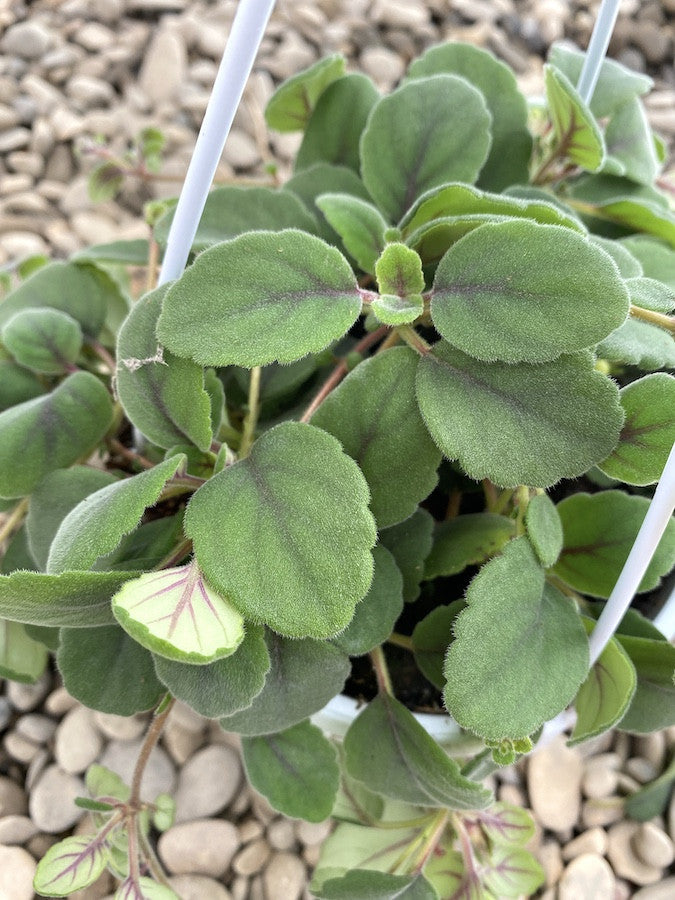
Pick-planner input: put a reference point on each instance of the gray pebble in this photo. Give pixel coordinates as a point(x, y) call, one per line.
point(641, 769)
point(78, 742)
point(587, 876)
point(159, 776)
point(37, 728)
point(653, 846)
point(284, 877)
point(14, 139)
point(207, 783)
point(16, 830)
point(17, 870)
point(19, 747)
point(665, 890)
point(164, 66)
point(51, 805)
point(623, 858)
point(121, 728)
point(592, 841)
point(199, 887)
point(252, 858)
point(554, 785)
point(29, 40)
point(200, 847)
point(281, 835)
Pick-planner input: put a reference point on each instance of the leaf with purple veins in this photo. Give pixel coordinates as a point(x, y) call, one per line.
point(70, 865)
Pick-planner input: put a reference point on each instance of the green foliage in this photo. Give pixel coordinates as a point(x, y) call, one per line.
point(425, 133)
point(467, 540)
point(17, 384)
point(409, 542)
point(69, 866)
point(45, 340)
point(292, 104)
point(653, 704)
point(544, 529)
point(289, 294)
point(296, 770)
point(577, 133)
point(359, 224)
point(52, 432)
point(639, 344)
point(21, 657)
point(400, 282)
point(369, 885)
point(520, 651)
point(431, 638)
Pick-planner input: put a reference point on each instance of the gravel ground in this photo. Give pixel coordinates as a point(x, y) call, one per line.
point(71, 70)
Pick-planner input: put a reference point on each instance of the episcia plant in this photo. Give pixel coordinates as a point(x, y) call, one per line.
point(400, 417)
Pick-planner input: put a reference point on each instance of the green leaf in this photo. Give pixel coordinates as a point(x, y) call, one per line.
point(80, 290)
point(639, 344)
point(408, 765)
point(285, 534)
point(509, 156)
point(17, 384)
point(296, 770)
point(615, 86)
point(628, 265)
point(431, 637)
point(648, 431)
point(652, 799)
point(176, 614)
point(523, 292)
point(164, 814)
point(577, 134)
point(322, 178)
point(520, 652)
point(653, 704)
point(364, 884)
point(334, 129)
point(504, 824)
point(427, 132)
point(21, 657)
point(291, 105)
point(467, 540)
point(303, 677)
point(51, 432)
point(231, 211)
point(162, 394)
point(372, 405)
point(288, 294)
point(377, 613)
point(655, 257)
point(225, 686)
point(352, 847)
point(401, 282)
point(519, 424)
point(359, 224)
point(106, 670)
point(147, 547)
point(105, 181)
point(97, 524)
point(124, 253)
point(70, 865)
point(410, 542)
point(53, 499)
point(512, 872)
point(81, 599)
point(393, 310)
point(17, 553)
point(599, 532)
point(149, 890)
point(606, 694)
point(102, 782)
point(630, 145)
point(44, 340)
point(544, 529)
point(92, 805)
point(651, 294)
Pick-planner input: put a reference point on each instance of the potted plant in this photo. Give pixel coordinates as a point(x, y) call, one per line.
point(395, 424)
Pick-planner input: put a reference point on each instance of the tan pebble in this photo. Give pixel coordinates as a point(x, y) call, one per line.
point(252, 858)
point(17, 870)
point(262, 810)
point(281, 835)
point(602, 811)
point(37, 728)
point(242, 802)
point(641, 769)
point(509, 793)
point(627, 784)
point(120, 728)
point(200, 847)
point(16, 830)
point(78, 743)
point(549, 857)
point(199, 887)
point(38, 845)
point(37, 766)
point(26, 163)
point(312, 833)
point(239, 888)
point(600, 777)
point(187, 718)
point(665, 890)
point(652, 747)
point(250, 830)
point(588, 876)
point(180, 743)
point(623, 858)
point(622, 890)
point(66, 124)
point(592, 841)
point(597, 745)
point(311, 855)
point(554, 785)
point(622, 745)
point(19, 747)
point(14, 184)
point(671, 816)
point(284, 877)
point(653, 846)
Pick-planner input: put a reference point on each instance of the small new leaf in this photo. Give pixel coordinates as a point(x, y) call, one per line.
point(69, 866)
point(578, 136)
point(291, 105)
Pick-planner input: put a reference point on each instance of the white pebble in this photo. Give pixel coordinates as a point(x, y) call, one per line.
point(201, 847)
point(17, 870)
point(52, 800)
point(78, 742)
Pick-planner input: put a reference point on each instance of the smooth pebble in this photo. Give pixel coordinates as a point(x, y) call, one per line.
point(207, 783)
point(623, 858)
point(52, 800)
point(653, 846)
point(159, 776)
point(554, 785)
point(78, 742)
point(17, 870)
point(284, 877)
point(588, 876)
point(200, 847)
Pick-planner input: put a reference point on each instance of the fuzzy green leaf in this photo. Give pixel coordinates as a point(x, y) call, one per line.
point(288, 294)
point(176, 614)
point(615, 86)
point(53, 499)
point(17, 384)
point(628, 265)
point(599, 531)
point(655, 257)
point(505, 824)
point(365, 884)
point(285, 534)
point(377, 613)
point(322, 178)
point(70, 865)
point(44, 340)
point(544, 529)
point(291, 105)
point(523, 292)
point(520, 651)
point(578, 136)
point(225, 686)
point(408, 765)
point(21, 657)
point(651, 294)
point(106, 670)
point(390, 309)
point(606, 694)
point(80, 290)
point(162, 394)
point(127, 253)
point(374, 404)
point(512, 872)
point(80, 599)
point(519, 424)
point(334, 129)
point(467, 540)
point(97, 524)
point(431, 638)
point(296, 770)
point(653, 704)
point(51, 432)
point(149, 890)
point(509, 156)
point(639, 344)
point(409, 542)
point(401, 282)
point(648, 431)
point(630, 144)
point(231, 211)
point(359, 224)
point(303, 677)
point(652, 799)
point(427, 132)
